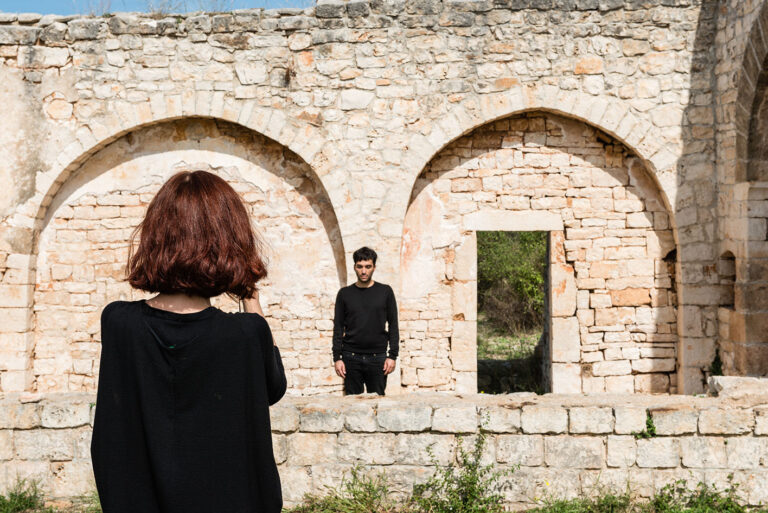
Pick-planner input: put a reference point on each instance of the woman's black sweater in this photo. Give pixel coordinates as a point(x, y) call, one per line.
point(182, 412)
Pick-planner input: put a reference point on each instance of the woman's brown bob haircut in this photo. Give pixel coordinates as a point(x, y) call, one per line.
point(196, 239)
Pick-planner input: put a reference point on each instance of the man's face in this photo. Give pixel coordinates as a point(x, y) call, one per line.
point(364, 270)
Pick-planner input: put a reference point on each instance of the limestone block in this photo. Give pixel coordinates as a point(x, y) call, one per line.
point(566, 378)
point(404, 417)
point(761, 421)
point(83, 443)
point(71, 478)
point(647, 365)
point(745, 452)
point(732, 421)
point(15, 415)
point(284, 418)
point(490, 220)
point(500, 419)
point(434, 376)
point(317, 418)
point(675, 421)
point(6, 444)
point(462, 419)
point(62, 415)
point(464, 299)
point(631, 297)
point(611, 368)
point(526, 450)
point(651, 383)
point(45, 444)
point(620, 384)
point(544, 419)
point(566, 342)
point(621, 451)
point(251, 72)
point(411, 449)
point(563, 290)
point(658, 453)
point(360, 418)
point(574, 452)
point(368, 449)
point(311, 448)
point(279, 448)
point(703, 452)
point(591, 419)
point(465, 263)
point(296, 482)
point(352, 99)
point(464, 346)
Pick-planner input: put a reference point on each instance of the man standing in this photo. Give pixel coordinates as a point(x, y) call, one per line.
point(360, 336)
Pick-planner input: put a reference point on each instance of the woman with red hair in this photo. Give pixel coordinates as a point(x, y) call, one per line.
point(182, 411)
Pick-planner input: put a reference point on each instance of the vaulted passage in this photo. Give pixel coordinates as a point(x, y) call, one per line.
point(83, 247)
point(613, 324)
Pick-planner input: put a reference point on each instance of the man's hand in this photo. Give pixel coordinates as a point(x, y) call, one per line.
point(341, 370)
point(389, 366)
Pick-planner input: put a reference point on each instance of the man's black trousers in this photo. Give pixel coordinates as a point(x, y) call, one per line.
point(364, 370)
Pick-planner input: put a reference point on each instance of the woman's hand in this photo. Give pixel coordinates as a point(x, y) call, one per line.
point(252, 304)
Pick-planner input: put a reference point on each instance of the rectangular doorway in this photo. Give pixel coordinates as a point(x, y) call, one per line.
point(512, 312)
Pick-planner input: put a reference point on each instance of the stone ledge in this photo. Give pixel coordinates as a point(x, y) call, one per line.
point(442, 413)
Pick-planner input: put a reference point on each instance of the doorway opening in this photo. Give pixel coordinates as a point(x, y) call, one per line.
point(512, 311)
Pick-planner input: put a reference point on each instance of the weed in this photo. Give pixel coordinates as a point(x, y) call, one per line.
point(360, 493)
point(650, 428)
point(466, 488)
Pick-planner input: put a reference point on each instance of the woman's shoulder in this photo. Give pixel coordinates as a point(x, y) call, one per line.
point(118, 308)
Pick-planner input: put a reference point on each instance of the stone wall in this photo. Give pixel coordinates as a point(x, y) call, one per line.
point(566, 446)
point(367, 97)
point(613, 303)
point(84, 247)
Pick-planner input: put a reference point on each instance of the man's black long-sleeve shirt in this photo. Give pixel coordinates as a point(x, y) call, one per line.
point(365, 321)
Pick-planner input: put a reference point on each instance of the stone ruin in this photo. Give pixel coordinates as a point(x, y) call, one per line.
point(632, 131)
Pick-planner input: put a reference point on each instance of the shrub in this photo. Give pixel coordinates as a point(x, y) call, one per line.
point(466, 488)
point(359, 494)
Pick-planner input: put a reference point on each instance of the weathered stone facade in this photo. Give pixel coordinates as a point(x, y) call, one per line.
point(370, 99)
point(566, 446)
point(630, 130)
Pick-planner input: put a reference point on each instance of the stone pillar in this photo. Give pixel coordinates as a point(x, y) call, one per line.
point(564, 336)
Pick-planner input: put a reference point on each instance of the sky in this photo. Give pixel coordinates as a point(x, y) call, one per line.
point(98, 6)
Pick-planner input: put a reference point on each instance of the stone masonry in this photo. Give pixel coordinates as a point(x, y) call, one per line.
point(379, 106)
point(632, 131)
point(565, 446)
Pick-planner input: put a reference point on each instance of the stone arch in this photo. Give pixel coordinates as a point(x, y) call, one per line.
point(92, 213)
point(485, 194)
point(751, 85)
point(609, 115)
point(302, 138)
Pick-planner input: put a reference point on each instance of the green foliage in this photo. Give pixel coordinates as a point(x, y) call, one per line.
point(466, 488)
point(716, 368)
point(607, 503)
point(650, 428)
point(360, 493)
point(511, 270)
point(679, 498)
point(26, 497)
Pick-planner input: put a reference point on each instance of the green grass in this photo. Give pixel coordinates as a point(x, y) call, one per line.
point(496, 344)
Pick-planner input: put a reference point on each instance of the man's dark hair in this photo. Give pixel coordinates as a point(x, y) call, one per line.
point(364, 253)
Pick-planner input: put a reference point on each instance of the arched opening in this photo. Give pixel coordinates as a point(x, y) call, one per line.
point(83, 244)
point(612, 306)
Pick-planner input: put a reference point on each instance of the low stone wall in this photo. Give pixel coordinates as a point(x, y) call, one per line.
point(565, 445)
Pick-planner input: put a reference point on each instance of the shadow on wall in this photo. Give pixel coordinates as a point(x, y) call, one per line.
point(83, 245)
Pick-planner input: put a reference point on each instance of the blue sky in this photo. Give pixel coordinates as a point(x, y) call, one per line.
point(96, 6)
